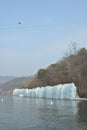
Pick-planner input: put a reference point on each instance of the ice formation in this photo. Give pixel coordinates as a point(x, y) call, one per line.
point(65, 91)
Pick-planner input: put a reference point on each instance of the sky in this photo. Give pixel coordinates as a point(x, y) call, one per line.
point(47, 29)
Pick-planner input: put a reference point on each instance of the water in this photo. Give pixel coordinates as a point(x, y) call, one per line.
point(42, 114)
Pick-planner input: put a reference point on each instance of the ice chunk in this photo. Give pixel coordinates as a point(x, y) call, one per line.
point(65, 91)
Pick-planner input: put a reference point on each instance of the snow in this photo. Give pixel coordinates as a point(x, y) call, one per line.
point(61, 91)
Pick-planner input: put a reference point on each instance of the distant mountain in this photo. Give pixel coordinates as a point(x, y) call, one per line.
point(4, 79)
point(9, 86)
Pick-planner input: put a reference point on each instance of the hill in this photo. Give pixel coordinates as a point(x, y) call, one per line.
point(8, 87)
point(71, 68)
point(4, 79)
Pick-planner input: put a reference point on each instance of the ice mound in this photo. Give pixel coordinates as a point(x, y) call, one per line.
point(65, 91)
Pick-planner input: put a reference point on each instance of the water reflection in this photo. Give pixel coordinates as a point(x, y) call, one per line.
point(59, 115)
point(82, 112)
point(41, 114)
point(63, 113)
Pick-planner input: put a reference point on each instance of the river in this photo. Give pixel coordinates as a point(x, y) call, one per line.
point(17, 113)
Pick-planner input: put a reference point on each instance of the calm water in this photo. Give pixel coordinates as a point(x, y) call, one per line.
point(39, 114)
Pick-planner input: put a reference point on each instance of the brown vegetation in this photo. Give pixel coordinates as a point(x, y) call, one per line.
point(72, 68)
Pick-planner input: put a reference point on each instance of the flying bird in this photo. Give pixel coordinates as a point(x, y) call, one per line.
point(19, 22)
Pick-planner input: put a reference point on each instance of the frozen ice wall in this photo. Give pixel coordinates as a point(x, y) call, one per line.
point(65, 91)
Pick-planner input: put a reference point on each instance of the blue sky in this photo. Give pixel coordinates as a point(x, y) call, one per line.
point(46, 31)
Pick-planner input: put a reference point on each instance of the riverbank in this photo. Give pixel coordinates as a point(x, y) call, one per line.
point(82, 93)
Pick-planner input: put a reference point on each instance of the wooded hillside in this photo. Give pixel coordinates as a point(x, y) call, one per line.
point(72, 68)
